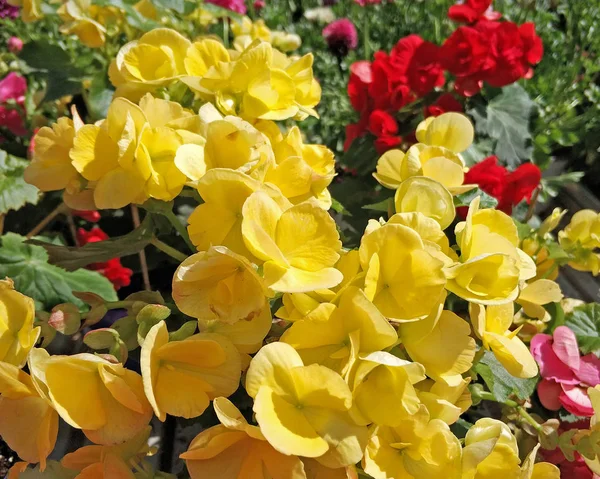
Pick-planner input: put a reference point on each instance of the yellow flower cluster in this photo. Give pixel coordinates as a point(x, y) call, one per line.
point(371, 367)
point(245, 32)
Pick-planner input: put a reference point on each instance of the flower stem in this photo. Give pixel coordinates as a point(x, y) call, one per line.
point(169, 250)
point(366, 34)
point(62, 208)
point(488, 396)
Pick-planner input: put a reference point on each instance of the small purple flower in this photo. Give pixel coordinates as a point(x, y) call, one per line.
point(341, 36)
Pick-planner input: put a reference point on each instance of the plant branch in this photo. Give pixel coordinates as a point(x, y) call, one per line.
point(62, 208)
point(135, 215)
point(488, 396)
point(169, 250)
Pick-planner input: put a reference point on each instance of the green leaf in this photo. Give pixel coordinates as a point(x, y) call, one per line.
point(506, 119)
point(339, 208)
point(61, 76)
point(500, 383)
point(465, 199)
point(585, 322)
point(523, 229)
point(72, 258)
point(99, 98)
point(14, 191)
point(176, 5)
point(361, 156)
point(557, 315)
point(555, 251)
point(27, 265)
point(383, 206)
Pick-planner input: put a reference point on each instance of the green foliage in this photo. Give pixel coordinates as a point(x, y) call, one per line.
point(506, 119)
point(14, 192)
point(500, 383)
point(47, 284)
point(585, 323)
point(486, 201)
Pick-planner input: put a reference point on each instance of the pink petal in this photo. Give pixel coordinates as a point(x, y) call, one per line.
point(589, 370)
point(551, 367)
point(548, 392)
point(12, 86)
point(575, 400)
point(565, 346)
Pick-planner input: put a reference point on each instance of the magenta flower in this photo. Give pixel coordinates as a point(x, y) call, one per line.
point(7, 10)
point(14, 44)
point(341, 36)
point(13, 87)
point(566, 374)
point(234, 5)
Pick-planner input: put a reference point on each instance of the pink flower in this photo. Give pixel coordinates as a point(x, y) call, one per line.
point(259, 5)
point(363, 3)
point(341, 36)
point(15, 44)
point(13, 88)
point(237, 6)
point(566, 374)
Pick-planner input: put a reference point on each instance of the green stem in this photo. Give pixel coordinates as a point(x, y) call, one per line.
point(478, 355)
point(180, 228)
point(226, 31)
point(366, 34)
point(165, 248)
point(119, 304)
point(488, 396)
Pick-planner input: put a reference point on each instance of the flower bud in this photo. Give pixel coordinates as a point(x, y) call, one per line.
point(15, 45)
point(65, 318)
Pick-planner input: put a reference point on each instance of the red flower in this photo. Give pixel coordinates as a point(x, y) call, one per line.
point(237, 6)
point(361, 77)
point(472, 10)
point(389, 88)
point(513, 51)
point(259, 5)
point(465, 54)
point(14, 44)
point(443, 104)
point(418, 61)
point(112, 269)
point(384, 127)
point(92, 216)
point(341, 36)
point(509, 188)
point(354, 131)
point(13, 87)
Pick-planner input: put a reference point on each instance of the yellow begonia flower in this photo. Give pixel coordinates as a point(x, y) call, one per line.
point(315, 470)
point(418, 448)
point(403, 279)
point(299, 245)
point(218, 284)
point(218, 221)
point(492, 325)
point(109, 462)
point(536, 294)
point(131, 155)
point(491, 264)
point(147, 9)
point(235, 144)
point(445, 402)
point(245, 31)
point(435, 162)
point(551, 222)
point(51, 168)
point(17, 334)
point(28, 423)
point(181, 377)
point(490, 451)
point(442, 344)
point(383, 388)
point(286, 42)
point(260, 82)
point(581, 238)
point(247, 335)
point(80, 18)
point(594, 395)
point(303, 410)
point(541, 470)
point(453, 131)
point(31, 10)
point(426, 196)
point(302, 172)
point(335, 336)
point(237, 450)
point(156, 59)
point(103, 399)
point(545, 266)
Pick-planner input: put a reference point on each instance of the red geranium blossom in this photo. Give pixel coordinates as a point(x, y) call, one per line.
point(472, 10)
point(112, 269)
point(443, 104)
point(417, 61)
point(92, 216)
point(384, 127)
point(13, 87)
point(509, 188)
